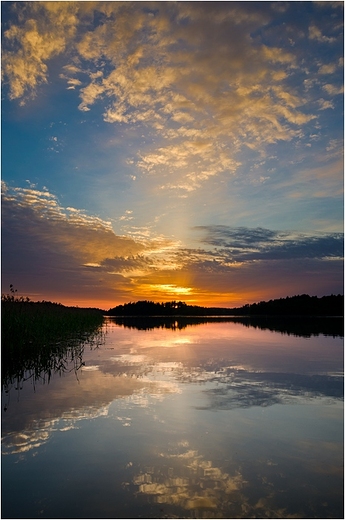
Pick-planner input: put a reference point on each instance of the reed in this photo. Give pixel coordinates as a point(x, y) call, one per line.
point(42, 337)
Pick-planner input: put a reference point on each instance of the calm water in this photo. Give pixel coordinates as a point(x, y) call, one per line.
point(215, 420)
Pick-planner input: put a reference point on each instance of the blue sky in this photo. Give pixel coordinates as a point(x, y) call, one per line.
point(160, 150)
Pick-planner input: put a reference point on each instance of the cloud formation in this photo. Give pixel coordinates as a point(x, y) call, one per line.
point(243, 244)
point(43, 31)
point(194, 129)
point(56, 250)
point(59, 246)
point(200, 79)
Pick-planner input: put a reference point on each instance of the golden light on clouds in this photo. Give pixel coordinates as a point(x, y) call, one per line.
point(208, 99)
point(170, 289)
point(140, 122)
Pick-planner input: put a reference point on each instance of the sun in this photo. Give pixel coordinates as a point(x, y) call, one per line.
point(170, 289)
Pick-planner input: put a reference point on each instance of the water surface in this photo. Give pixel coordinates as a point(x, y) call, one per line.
point(212, 420)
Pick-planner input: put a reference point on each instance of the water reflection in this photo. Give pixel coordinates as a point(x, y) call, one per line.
point(304, 326)
point(189, 481)
point(41, 364)
point(66, 402)
point(210, 421)
point(245, 389)
point(186, 484)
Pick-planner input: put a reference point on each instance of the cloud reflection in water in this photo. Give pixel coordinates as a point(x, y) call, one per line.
point(242, 389)
point(189, 481)
point(206, 428)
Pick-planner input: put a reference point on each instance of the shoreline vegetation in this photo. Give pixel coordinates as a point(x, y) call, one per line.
point(42, 338)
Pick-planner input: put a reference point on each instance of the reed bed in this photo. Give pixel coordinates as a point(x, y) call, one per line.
point(40, 338)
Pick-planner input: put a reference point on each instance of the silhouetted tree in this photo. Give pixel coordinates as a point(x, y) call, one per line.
point(302, 305)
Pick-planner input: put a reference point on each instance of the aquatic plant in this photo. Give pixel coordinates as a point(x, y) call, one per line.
point(43, 337)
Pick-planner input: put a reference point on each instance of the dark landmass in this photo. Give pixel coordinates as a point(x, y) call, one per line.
point(40, 338)
point(304, 326)
point(302, 305)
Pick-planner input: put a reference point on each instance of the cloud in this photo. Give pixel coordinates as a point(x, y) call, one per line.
point(91, 237)
point(255, 244)
point(188, 73)
point(333, 90)
point(52, 251)
point(45, 32)
point(328, 68)
point(238, 264)
point(250, 262)
point(324, 105)
point(316, 34)
point(324, 180)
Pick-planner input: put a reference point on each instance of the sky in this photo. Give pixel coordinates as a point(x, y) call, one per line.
point(167, 151)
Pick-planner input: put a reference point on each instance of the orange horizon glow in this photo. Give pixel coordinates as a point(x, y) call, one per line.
point(218, 301)
point(197, 155)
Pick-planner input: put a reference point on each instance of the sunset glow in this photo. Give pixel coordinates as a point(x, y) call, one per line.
point(172, 151)
point(172, 289)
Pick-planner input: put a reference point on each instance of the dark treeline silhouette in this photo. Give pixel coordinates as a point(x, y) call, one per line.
point(304, 326)
point(149, 308)
point(302, 305)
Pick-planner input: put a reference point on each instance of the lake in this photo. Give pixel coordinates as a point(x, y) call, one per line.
point(182, 419)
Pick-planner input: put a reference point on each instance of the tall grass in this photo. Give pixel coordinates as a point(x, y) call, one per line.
point(43, 337)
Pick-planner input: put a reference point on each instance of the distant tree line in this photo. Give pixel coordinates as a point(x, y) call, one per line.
point(302, 305)
point(149, 308)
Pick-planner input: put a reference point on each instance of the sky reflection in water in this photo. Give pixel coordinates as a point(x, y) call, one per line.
point(212, 421)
